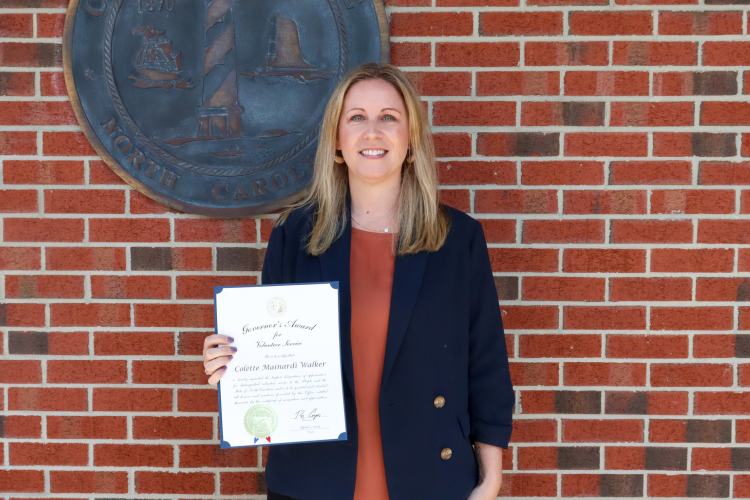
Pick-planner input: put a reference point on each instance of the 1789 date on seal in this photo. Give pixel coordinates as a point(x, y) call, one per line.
point(213, 107)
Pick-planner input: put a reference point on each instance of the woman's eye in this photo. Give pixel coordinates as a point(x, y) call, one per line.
point(357, 118)
point(389, 118)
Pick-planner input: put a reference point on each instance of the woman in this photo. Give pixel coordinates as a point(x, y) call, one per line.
point(423, 352)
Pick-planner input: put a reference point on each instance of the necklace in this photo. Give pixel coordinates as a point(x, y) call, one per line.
point(369, 228)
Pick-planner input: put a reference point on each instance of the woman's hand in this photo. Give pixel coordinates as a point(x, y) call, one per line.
point(490, 466)
point(216, 356)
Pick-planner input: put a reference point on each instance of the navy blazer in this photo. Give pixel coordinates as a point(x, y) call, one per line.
point(445, 338)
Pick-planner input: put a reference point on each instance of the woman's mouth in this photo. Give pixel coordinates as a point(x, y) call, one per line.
point(373, 153)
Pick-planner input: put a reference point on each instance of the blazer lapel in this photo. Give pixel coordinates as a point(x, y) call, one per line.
point(407, 280)
point(334, 266)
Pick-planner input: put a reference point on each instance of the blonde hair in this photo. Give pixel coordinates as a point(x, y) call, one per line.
point(423, 221)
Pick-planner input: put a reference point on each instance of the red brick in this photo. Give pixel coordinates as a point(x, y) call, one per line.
point(647, 346)
point(667, 485)
point(83, 427)
point(87, 372)
point(36, 399)
point(31, 287)
point(92, 314)
point(691, 318)
point(693, 202)
point(537, 458)
point(68, 343)
point(46, 230)
point(625, 458)
point(411, 54)
point(593, 23)
point(22, 426)
point(566, 53)
point(744, 202)
point(655, 54)
point(721, 403)
point(52, 83)
point(174, 315)
point(692, 375)
point(66, 144)
point(651, 231)
point(516, 201)
point(604, 318)
point(742, 434)
point(472, 172)
point(88, 481)
point(540, 114)
point(726, 53)
point(129, 230)
point(723, 231)
point(518, 484)
point(242, 483)
point(452, 144)
point(499, 83)
point(606, 144)
point(441, 83)
point(650, 289)
point(563, 231)
point(474, 113)
point(744, 260)
point(42, 172)
point(20, 371)
point(39, 55)
point(741, 486)
point(711, 459)
point(699, 260)
point(602, 431)
point(605, 374)
point(17, 143)
point(667, 431)
point(456, 198)
point(191, 259)
point(534, 431)
point(700, 23)
point(518, 144)
point(101, 173)
point(562, 288)
point(560, 346)
point(529, 317)
point(20, 258)
point(132, 455)
point(75, 454)
point(476, 3)
point(197, 400)
point(521, 23)
point(36, 113)
point(130, 287)
point(651, 114)
point(122, 399)
point(83, 259)
point(178, 428)
point(16, 84)
point(581, 485)
point(224, 230)
point(133, 343)
point(562, 173)
point(523, 260)
point(18, 201)
point(168, 372)
point(477, 54)
point(499, 230)
point(16, 25)
point(50, 25)
point(714, 346)
point(594, 260)
point(722, 289)
point(668, 403)
point(84, 201)
point(431, 24)
point(619, 83)
point(533, 374)
point(202, 287)
point(191, 483)
point(693, 144)
point(21, 314)
point(604, 202)
point(141, 204)
point(650, 172)
point(725, 113)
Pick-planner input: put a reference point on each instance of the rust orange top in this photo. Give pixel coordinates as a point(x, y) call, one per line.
point(371, 278)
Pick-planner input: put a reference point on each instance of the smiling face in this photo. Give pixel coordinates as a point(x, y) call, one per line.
point(373, 132)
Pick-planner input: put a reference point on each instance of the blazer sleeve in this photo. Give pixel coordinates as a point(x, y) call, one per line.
point(272, 272)
point(491, 395)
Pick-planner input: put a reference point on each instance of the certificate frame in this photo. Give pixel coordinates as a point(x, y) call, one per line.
point(342, 436)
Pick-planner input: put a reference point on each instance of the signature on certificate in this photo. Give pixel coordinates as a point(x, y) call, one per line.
point(312, 415)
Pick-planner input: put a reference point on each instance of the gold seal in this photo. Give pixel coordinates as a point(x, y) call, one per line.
point(261, 421)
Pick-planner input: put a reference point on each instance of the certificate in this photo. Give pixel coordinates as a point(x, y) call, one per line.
point(283, 384)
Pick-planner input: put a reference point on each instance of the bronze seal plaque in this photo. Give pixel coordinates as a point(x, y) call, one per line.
point(214, 107)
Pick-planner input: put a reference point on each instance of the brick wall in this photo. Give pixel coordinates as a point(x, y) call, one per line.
point(598, 141)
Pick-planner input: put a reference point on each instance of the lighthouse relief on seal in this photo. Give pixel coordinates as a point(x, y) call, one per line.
point(284, 383)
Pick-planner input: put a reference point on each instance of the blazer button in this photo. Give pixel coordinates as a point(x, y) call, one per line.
point(446, 453)
point(439, 402)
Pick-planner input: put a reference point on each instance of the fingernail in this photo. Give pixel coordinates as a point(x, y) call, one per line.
point(233, 349)
point(229, 357)
point(230, 339)
point(223, 367)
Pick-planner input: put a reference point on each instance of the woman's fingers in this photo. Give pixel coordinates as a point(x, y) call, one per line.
point(215, 376)
point(217, 367)
point(216, 339)
point(215, 352)
point(216, 355)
